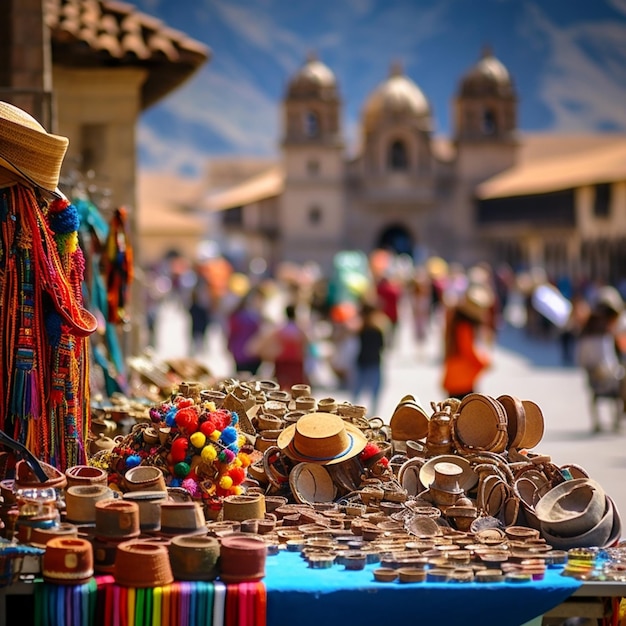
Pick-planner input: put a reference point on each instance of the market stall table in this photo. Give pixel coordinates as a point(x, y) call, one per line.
point(292, 593)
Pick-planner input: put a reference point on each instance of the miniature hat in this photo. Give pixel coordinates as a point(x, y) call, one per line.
point(447, 476)
point(466, 480)
point(28, 150)
point(322, 438)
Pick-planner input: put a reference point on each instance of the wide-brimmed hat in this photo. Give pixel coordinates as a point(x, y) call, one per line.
point(27, 149)
point(610, 298)
point(476, 302)
point(466, 480)
point(323, 438)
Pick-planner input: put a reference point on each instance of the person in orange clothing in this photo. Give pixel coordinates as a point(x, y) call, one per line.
point(464, 360)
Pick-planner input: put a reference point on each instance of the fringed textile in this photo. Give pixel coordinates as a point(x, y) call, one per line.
point(44, 400)
point(118, 266)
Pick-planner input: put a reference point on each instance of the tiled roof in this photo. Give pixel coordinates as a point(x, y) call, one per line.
point(554, 162)
point(263, 186)
point(106, 33)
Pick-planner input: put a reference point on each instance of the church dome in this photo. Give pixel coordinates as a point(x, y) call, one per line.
point(397, 97)
point(313, 79)
point(488, 77)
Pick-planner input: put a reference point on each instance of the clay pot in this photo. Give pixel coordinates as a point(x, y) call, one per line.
point(194, 557)
point(86, 475)
point(142, 564)
point(68, 561)
point(242, 559)
point(117, 519)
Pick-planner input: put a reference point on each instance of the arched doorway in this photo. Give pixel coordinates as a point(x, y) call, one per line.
point(396, 238)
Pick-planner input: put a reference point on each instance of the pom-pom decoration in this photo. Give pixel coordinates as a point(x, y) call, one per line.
point(200, 449)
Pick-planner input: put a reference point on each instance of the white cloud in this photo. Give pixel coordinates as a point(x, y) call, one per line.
point(584, 84)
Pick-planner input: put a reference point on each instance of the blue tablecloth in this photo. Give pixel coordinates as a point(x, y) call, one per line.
point(297, 594)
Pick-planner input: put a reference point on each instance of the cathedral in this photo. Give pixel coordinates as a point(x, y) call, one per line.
point(486, 193)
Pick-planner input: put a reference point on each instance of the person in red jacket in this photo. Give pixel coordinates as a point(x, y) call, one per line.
point(464, 360)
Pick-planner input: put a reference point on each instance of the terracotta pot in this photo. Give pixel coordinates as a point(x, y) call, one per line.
point(242, 559)
point(142, 564)
point(194, 557)
point(86, 475)
point(68, 561)
point(117, 519)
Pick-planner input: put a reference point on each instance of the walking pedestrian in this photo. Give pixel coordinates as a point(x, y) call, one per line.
point(243, 325)
point(372, 334)
point(464, 357)
point(200, 317)
point(598, 351)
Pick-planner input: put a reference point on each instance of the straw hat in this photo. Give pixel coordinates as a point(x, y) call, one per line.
point(28, 150)
point(322, 438)
point(466, 480)
point(476, 302)
point(610, 298)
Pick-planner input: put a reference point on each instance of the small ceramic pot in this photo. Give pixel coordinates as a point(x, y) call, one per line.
point(68, 561)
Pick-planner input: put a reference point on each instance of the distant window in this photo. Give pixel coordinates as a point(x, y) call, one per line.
point(313, 167)
point(311, 124)
point(93, 146)
point(489, 123)
point(398, 158)
point(315, 216)
point(602, 204)
point(233, 217)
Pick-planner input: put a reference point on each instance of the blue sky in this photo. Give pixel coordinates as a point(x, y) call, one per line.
point(567, 59)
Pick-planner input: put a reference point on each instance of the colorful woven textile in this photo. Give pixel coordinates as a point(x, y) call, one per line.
point(44, 327)
point(103, 603)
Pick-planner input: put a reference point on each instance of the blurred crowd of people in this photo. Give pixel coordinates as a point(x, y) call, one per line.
point(286, 325)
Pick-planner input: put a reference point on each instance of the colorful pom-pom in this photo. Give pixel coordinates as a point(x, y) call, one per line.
point(234, 419)
point(226, 482)
point(244, 459)
point(237, 475)
point(215, 435)
point(229, 435)
point(179, 449)
point(369, 451)
point(198, 439)
point(187, 419)
point(209, 454)
point(133, 460)
point(236, 490)
point(191, 486)
point(181, 469)
point(226, 457)
point(207, 427)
